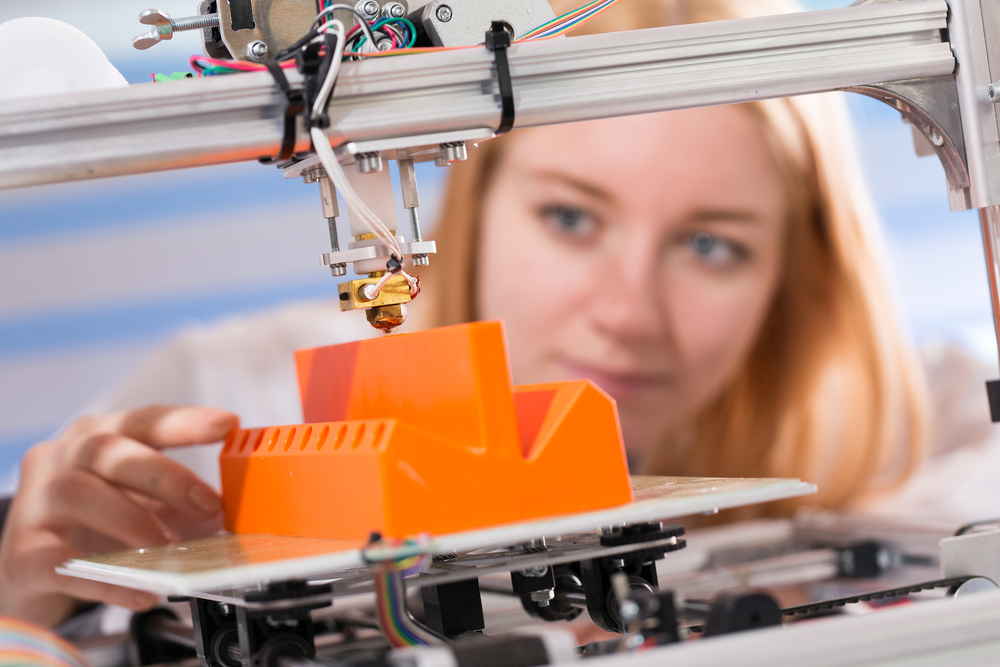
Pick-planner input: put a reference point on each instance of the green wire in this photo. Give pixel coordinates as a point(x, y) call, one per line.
point(381, 22)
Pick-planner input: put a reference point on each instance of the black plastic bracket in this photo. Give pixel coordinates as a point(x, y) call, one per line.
point(267, 637)
point(638, 565)
point(453, 609)
point(993, 394)
point(215, 635)
point(741, 610)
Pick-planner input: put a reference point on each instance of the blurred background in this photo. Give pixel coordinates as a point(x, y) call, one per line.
point(94, 275)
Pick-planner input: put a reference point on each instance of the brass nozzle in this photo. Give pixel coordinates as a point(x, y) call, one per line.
point(386, 318)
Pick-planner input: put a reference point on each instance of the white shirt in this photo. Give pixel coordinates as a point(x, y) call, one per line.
point(242, 364)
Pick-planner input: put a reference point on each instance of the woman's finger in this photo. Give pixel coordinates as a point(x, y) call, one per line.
point(98, 591)
point(134, 466)
point(80, 498)
point(43, 597)
point(164, 426)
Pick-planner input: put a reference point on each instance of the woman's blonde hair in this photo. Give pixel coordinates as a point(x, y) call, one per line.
point(830, 392)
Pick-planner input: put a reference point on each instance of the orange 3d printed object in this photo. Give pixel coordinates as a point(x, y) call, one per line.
point(424, 432)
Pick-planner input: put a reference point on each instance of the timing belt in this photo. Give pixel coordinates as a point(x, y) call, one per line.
point(826, 605)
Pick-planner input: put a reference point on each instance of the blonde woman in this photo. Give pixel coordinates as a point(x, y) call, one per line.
point(715, 270)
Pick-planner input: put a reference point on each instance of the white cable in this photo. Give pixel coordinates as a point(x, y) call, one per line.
point(360, 18)
point(331, 76)
point(333, 169)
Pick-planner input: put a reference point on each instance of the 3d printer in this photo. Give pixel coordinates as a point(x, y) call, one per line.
point(473, 70)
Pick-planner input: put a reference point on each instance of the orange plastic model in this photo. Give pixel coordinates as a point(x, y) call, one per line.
point(424, 432)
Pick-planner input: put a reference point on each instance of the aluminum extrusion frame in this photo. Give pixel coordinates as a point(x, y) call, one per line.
point(153, 127)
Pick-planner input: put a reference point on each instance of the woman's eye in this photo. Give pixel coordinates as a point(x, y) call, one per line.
point(569, 220)
point(715, 250)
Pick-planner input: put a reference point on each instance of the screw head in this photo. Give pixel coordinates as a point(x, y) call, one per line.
point(393, 10)
point(368, 8)
point(256, 50)
point(936, 138)
point(993, 93)
point(443, 13)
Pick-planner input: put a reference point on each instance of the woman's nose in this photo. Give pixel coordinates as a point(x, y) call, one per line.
point(628, 305)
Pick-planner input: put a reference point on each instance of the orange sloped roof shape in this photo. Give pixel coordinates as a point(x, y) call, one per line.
point(424, 432)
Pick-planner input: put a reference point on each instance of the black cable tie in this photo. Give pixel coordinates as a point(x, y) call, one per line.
point(293, 104)
point(497, 41)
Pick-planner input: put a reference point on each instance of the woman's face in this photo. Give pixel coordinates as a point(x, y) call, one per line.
point(641, 253)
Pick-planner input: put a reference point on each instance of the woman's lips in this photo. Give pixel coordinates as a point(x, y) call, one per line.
point(618, 384)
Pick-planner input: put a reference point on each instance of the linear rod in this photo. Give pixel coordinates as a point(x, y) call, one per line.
point(153, 127)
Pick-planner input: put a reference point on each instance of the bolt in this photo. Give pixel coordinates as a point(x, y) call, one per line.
point(256, 50)
point(884, 558)
point(537, 571)
point(443, 13)
point(164, 27)
point(847, 564)
point(393, 10)
point(368, 9)
point(993, 92)
point(936, 138)
point(454, 151)
point(629, 610)
point(369, 162)
point(534, 545)
point(543, 597)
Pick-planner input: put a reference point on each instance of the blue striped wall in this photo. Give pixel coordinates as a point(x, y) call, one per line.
point(94, 275)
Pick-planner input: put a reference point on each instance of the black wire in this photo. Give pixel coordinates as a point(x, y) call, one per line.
point(290, 51)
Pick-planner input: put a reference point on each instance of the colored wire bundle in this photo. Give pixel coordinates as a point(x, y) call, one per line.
point(206, 66)
point(399, 628)
point(390, 33)
point(568, 21)
point(26, 645)
point(389, 37)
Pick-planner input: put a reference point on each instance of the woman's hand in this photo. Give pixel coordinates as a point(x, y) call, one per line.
point(103, 485)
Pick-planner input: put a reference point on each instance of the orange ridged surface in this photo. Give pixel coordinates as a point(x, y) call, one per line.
point(423, 432)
